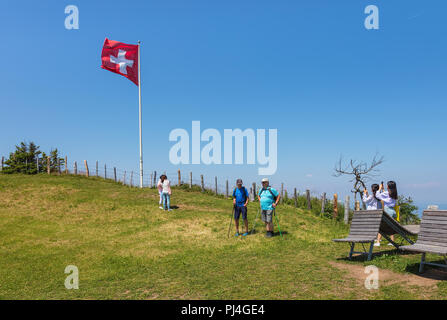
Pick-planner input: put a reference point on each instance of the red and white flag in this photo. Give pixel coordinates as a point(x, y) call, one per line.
point(121, 58)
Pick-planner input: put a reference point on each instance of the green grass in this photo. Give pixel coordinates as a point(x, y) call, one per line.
point(127, 248)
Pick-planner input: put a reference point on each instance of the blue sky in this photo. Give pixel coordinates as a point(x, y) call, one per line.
point(307, 68)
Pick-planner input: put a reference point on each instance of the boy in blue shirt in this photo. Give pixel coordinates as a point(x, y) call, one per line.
point(268, 198)
point(240, 201)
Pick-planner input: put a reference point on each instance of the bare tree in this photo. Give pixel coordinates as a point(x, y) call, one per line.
point(361, 172)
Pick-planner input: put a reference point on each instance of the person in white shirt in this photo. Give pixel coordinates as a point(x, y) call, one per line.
point(371, 201)
point(160, 192)
point(389, 199)
point(165, 185)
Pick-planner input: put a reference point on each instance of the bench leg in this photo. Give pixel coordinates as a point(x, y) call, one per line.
point(352, 244)
point(421, 266)
point(371, 247)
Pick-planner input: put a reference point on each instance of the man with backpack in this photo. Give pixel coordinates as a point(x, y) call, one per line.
point(240, 201)
point(268, 198)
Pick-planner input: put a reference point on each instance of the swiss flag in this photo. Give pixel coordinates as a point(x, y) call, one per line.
point(121, 58)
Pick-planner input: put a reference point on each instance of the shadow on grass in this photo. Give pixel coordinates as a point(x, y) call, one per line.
point(364, 257)
point(275, 233)
point(430, 272)
point(172, 208)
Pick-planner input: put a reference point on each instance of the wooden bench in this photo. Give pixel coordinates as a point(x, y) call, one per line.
point(364, 229)
point(367, 224)
point(432, 237)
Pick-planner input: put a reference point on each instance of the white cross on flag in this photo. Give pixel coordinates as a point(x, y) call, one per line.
point(121, 58)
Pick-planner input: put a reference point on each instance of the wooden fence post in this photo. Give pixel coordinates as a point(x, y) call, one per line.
point(96, 168)
point(124, 179)
point(201, 182)
point(190, 180)
point(253, 186)
point(346, 217)
point(152, 179)
point(66, 165)
point(215, 184)
point(48, 165)
point(75, 168)
point(37, 164)
point(87, 173)
point(282, 193)
point(226, 189)
point(131, 178)
point(179, 178)
point(155, 178)
point(323, 203)
point(309, 204)
point(59, 166)
point(357, 205)
point(3, 161)
point(295, 197)
point(105, 171)
point(114, 172)
point(335, 206)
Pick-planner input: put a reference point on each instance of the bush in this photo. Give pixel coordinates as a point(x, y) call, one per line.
point(408, 211)
point(26, 157)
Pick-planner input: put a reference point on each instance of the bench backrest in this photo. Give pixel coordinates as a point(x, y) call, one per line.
point(433, 228)
point(389, 227)
point(365, 223)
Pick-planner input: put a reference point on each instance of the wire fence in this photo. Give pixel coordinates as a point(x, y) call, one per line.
point(318, 204)
point(150, 179)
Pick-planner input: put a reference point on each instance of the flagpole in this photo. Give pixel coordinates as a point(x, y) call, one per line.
point(140, 112)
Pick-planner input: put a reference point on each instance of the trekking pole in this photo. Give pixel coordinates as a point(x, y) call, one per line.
point(277, 222)
point(231, 220)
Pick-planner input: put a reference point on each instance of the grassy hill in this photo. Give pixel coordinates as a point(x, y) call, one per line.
point(127, 248)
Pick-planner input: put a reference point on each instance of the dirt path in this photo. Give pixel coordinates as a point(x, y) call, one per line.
point(428, 280)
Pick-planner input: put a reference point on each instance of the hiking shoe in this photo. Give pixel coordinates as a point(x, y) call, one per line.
point(390, 244)
point(236, 234)
point(376, 244)
point(160, 207)
point(269, 234)
point(245, 234)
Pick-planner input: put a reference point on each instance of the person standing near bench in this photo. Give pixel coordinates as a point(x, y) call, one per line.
point(240, 201)
point(268, 198)
point(389, 199)
point(371, 201)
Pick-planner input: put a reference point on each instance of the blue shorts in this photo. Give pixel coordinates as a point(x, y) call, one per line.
point(238, 211)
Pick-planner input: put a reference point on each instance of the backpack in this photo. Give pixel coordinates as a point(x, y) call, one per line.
point(244, 193)
point(269, 189)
